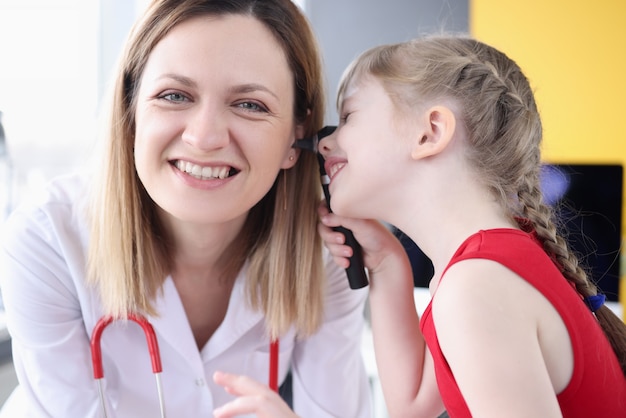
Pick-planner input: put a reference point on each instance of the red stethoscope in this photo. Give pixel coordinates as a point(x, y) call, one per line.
point(155, 357)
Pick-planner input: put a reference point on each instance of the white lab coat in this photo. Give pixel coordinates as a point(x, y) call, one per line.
point(51, 315)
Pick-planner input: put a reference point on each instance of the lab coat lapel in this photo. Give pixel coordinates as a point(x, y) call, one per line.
point(172, 326)
point(239, 319)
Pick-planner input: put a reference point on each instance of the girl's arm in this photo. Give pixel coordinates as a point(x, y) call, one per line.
point(403, 361)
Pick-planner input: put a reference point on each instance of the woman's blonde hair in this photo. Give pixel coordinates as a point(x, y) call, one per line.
point(504, 133)
point(129, 254)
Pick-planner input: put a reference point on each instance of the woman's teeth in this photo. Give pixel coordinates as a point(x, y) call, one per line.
point(204, 173)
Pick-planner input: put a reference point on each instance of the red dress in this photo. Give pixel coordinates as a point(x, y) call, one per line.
point(598, 386)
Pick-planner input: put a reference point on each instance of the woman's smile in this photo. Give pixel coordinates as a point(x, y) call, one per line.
point(205, 172)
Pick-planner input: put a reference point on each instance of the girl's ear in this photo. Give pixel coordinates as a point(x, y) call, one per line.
point(439, 128)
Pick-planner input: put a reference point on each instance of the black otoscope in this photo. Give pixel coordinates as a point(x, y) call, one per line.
point(356, 271)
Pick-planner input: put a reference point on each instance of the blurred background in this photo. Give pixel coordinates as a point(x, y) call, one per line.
point(56, 59)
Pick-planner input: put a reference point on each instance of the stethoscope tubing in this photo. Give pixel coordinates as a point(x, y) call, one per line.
point(155, 357)
point(153, 348)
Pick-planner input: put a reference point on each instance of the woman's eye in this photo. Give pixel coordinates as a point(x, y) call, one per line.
point(251, 106)
point(344, 117)
point(174, 97)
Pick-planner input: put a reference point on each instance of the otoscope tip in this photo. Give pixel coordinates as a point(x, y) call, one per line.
point(309, 144)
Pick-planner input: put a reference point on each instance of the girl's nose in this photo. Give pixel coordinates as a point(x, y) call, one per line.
point(327, 144)
point(206, 129)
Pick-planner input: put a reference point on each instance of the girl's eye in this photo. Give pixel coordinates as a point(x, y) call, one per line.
point(344, 117)
point(251, 106)
point(174, 97)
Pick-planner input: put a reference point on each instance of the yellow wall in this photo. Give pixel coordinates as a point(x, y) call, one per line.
point(574, 53)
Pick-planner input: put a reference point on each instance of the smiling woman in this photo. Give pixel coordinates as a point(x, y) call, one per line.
point(200, 107)
point(201, 218)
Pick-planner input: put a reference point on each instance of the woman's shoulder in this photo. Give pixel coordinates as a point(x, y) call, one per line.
point(57, 207)
point(68, 190)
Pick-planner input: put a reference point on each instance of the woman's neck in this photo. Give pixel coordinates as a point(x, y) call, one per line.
point(200, 260)
point(198, 249)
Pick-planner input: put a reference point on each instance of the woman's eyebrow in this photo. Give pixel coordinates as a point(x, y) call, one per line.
point(252, 87)
point(180, 78)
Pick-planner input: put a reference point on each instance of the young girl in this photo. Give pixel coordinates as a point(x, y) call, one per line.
point(203, 219)
point(441, 138)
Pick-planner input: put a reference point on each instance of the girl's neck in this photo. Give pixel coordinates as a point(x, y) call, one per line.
point(440, 222)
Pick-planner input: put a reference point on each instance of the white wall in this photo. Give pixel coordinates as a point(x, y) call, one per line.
point(47, 83)
point(56, 59)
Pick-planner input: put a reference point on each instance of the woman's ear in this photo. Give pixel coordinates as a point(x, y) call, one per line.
point(294, 153)
point(291, 158)
point(439, 128)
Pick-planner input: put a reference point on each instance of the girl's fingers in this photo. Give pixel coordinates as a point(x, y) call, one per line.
point(239, 385)
point(334, 242)
point(252, 398)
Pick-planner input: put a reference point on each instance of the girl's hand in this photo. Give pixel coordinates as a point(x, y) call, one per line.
point(252, 398)
point(379, 245)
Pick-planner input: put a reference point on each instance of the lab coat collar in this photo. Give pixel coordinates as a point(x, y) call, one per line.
point(172, 326)
point(239, 319)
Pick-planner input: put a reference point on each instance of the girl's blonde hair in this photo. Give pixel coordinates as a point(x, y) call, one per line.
point(504, 133)
point(129, 254)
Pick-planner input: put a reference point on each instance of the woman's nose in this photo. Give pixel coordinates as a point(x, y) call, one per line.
point(206, 129)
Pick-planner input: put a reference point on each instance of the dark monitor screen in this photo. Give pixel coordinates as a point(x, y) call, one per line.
point(588, 200)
